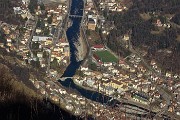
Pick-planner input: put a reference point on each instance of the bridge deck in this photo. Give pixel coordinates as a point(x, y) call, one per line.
point(64, 78)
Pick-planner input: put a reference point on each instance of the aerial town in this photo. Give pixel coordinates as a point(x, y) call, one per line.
point(106, 85)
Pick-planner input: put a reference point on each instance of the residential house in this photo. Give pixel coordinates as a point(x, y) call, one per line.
point(53, 72)
point(2, 45)
point(26, 2)
point(39, 54)
point(36, 84)
point(66, 51)
point(42, 62)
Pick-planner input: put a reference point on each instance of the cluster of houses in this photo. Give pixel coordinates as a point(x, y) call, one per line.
point(113, 5)
point(54, 16)
point(138, 78)
point(11, 35)
point(113, 80)
point(161, 21)
point(23, 10)
point(59, 51)
point(14, 41)
point(158, 23)
point(56, 49)
point(95, 20)
point(58, 12)
point(51, 90)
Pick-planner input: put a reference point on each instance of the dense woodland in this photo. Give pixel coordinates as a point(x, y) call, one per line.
point(176, 19)
point(33, 5)
point(141, 30)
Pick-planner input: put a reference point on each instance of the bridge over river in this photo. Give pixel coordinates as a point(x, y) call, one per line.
point(64, 78)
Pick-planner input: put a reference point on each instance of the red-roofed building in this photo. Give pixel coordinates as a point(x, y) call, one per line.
point(98, 47)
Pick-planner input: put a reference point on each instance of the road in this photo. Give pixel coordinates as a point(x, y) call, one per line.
point(31, 36)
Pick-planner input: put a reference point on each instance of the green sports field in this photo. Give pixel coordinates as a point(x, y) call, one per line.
point(106, 56)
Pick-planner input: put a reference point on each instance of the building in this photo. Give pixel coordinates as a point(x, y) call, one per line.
point(98, 47)
point(53, 72)
point(39, 54)
point(26, 2)
point(2, 45)
point(91, 24)
point(17, 10)
point(40, 39)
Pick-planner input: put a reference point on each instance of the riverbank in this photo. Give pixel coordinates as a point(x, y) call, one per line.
point(81, 49)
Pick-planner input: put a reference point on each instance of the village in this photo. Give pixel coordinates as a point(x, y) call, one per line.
point(42, 43)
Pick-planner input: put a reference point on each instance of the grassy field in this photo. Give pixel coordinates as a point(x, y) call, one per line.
point(106, 56)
